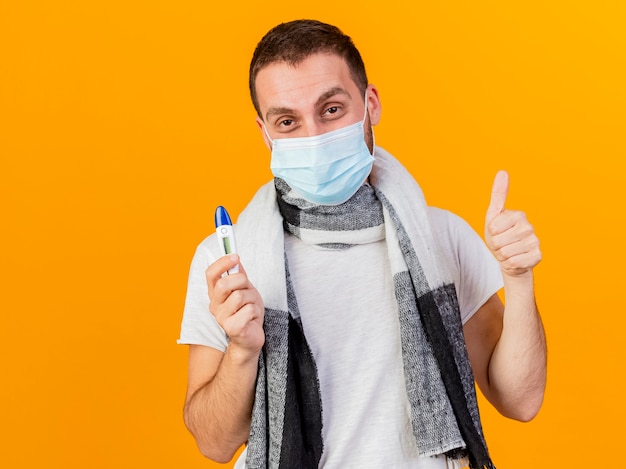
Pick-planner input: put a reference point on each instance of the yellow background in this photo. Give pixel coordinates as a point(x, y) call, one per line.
point(124, 123)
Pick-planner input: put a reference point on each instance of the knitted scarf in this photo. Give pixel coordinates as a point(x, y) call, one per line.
point(286, 428)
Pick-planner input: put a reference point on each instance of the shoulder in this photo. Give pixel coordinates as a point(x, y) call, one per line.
point(475, 271)
point(449, 230)
point(208, 251)
point(208, 248)
point(457, 238)
point(450, 227)
point(199, 326)
point(444, 219)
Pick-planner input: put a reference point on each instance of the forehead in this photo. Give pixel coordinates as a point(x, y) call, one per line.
point(299, 86)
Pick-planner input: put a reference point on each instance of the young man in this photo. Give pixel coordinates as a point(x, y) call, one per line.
point(360, 317)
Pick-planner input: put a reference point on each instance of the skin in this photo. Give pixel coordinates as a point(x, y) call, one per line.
point(506, 345)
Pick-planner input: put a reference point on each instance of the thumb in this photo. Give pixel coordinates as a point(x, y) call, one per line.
point(499, 192)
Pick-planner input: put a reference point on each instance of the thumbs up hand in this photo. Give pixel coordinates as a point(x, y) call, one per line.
point(508, 233)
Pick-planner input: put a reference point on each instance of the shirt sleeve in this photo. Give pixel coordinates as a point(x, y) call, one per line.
point(477, 274)
point(199, 326)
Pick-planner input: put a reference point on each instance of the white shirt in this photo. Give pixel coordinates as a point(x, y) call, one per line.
point(350, 320)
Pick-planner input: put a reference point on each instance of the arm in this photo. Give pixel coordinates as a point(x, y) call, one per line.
point(506, 344)
point(220, 390)
point(507, 350)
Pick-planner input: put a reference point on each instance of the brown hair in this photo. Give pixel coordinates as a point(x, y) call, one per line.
point(295, 41)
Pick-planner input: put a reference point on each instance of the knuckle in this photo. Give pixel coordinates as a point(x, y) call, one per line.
point(237, 297)
point(517, 215)
point(492, 227)
point(494, 241)
point(219, 287)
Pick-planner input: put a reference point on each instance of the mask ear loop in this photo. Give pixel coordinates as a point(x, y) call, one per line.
point(373, 140)
point(365, 110)
point(267, 133)
point(371, 126)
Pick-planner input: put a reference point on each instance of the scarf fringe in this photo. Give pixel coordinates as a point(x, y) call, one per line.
point(462, 463)
point(456, 463)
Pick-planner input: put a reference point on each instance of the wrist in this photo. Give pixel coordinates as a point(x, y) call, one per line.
point(519, 288)
point(242, 356)
point(523, 279)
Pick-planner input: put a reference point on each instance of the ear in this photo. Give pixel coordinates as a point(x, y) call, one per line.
point(259, 124)
point(374, 106)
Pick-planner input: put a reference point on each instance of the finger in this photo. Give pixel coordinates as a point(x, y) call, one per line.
point(231, 292)
point(242, 270)
point(235, 302)
point(499, 192)
point(513, 222)
point(237, 325)
point(506, 247)
point(217, 269)
point(522, 261)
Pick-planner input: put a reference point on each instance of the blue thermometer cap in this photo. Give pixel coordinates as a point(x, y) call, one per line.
point(221, 217)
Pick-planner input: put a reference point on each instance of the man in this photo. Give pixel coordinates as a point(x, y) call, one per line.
point(360, 317)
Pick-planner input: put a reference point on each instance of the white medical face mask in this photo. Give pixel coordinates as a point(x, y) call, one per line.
point(325, 169)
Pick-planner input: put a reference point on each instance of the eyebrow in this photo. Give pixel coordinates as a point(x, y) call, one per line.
point(335, 90)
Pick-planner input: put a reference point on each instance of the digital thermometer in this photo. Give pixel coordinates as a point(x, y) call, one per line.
point(225, 235)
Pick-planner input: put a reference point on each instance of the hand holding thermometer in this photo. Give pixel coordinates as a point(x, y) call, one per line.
point(225, 235)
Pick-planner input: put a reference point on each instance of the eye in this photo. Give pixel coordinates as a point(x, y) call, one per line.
point(333, 112)
point(285, 123)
